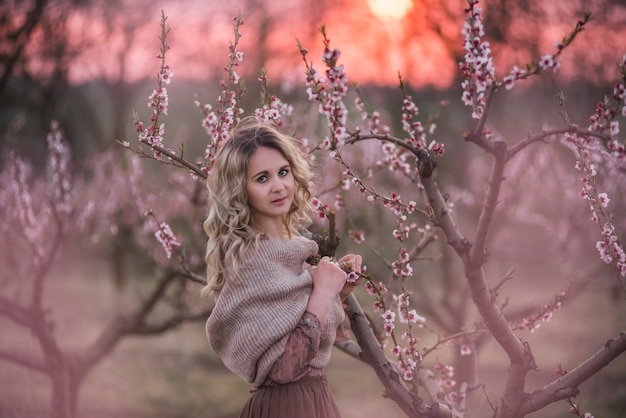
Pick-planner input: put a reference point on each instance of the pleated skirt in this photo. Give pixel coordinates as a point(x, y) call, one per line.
point(309, 397)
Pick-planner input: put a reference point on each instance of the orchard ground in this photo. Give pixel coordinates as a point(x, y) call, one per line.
point(176, 375)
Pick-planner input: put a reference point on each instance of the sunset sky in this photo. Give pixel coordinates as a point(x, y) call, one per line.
point(377, 38)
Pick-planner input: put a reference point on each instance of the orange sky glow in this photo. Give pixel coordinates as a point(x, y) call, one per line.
point(376, 42)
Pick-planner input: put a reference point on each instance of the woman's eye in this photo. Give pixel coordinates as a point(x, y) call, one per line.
point(262, 179)
point(283, 172)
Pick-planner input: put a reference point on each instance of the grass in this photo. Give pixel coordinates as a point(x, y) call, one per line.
point(176, 375)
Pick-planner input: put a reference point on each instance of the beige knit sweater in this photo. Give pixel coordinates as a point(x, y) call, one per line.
point(262, 304)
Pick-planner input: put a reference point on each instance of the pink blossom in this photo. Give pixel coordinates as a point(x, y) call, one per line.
point(437, 148)
point(389, 326)
point(614, 128)
point(465, 350)
point(371, 290)
point(352, 277)
point(167, 238)
point(389, 316)
point(603, 199)
point(448, 383)
point(547, 316)
point(396, 350)
point(166, 74)
point(377, 304)
point(547, 62)
point(415, 318)
point(357, 236)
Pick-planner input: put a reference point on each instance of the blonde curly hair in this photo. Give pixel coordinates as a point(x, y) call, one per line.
point(229, 223)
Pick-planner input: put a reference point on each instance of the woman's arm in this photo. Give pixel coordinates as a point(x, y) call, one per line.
point(328, 281)
point(301, 348)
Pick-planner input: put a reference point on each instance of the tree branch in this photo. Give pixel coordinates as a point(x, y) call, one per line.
point(15, 312)
point(567, 386)
point(426, 377)
point(169, 323)
point(410, 403)
point(30, 362)
point(519, 353)
point(478, 250)
point(169, 154)
point(542, 136)
point(358, 136)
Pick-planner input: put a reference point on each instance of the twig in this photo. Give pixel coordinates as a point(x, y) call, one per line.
point(171, 155)
point(477, 252)
point(453, 337)
point(542, 136)
point(507, 276)
point(493, 408)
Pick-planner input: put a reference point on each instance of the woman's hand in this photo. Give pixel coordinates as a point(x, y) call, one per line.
point(351, 262)
point(328, 282)
point(328, 278)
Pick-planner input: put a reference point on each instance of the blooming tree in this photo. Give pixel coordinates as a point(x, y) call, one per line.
point(391, 345)
point(44, 217)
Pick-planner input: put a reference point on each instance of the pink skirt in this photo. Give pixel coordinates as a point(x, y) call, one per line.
point(309, 397)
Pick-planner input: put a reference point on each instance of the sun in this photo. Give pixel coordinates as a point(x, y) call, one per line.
point(390, 9)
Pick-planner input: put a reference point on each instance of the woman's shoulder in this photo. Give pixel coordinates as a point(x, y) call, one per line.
point(293, 244)
point(292, 250)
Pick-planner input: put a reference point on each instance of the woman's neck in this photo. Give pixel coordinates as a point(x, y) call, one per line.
point(272, 230)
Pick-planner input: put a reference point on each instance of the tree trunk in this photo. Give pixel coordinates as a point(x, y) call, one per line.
point(64, 393)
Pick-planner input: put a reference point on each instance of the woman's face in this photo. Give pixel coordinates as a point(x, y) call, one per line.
point(270, 186)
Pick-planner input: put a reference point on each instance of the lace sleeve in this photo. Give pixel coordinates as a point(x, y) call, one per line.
point(302, 346)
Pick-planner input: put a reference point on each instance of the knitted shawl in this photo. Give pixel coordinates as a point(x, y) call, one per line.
point(261, 304)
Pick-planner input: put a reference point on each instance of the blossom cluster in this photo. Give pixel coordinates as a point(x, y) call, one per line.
point(58, 161)
point(610, 248)
point(574, 410)
point(218, 122)
point(34, 206)
point(373, 118)
point(158, 101)
point(446, 375)
point(273, 109)
point(23, 201)
point(320, 208)
point(533, 322)
point(395, 158)
point(166, 237)
point(407, 354)
point(477, 69)
point(414, 128)
point(329, 92)
point(604, 117)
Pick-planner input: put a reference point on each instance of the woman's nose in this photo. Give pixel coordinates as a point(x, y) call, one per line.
point(277, 185)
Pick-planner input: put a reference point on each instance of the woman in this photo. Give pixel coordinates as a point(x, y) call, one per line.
point(276, 317)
